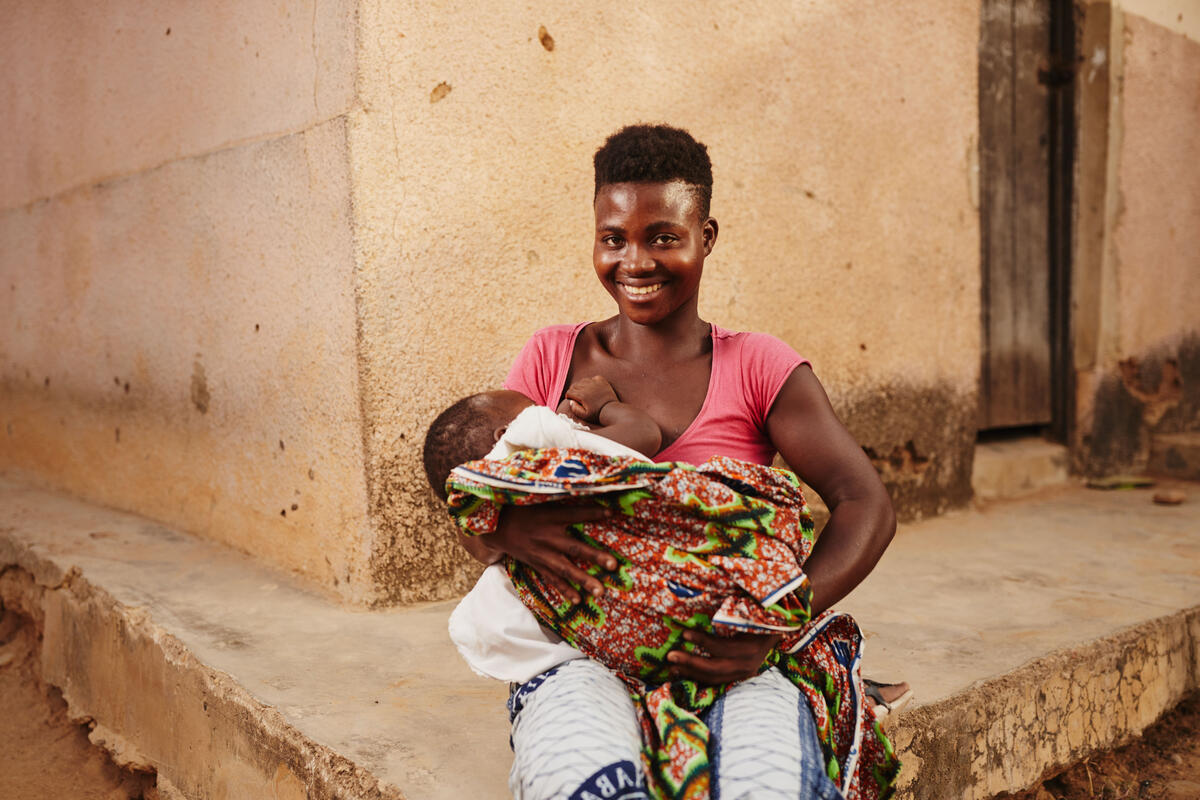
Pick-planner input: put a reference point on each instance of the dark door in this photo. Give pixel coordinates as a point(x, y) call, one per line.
point(1014, 172)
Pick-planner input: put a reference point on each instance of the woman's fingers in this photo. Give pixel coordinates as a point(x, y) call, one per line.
point(585, 552)
point(703, 669)
point(568, 515)
point(705, 639)
point(564, 587)
point(568, 570)
point(539, 537)
point(729, 658)
point(581, 551)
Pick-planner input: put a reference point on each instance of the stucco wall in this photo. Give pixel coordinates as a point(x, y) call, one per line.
point(844, 165)
point(177, 320)
point(295, 232)
point(1138, 302)
point(93, 90)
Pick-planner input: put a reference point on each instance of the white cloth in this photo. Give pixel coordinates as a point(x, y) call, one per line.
point(494, 632)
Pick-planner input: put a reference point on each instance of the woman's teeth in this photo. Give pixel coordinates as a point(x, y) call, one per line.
point(642, 289)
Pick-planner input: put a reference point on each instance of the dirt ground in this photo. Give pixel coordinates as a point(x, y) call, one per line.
point(1164, 764)
point(42, 753)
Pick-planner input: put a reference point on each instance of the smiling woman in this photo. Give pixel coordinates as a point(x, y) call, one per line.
point(711, 392)
point(651, 241)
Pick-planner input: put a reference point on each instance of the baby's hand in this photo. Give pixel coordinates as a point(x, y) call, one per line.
point(586, 397)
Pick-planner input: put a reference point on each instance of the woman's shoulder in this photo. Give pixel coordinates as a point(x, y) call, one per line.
point(557, 333)
point(753, 346)
point(542, 365)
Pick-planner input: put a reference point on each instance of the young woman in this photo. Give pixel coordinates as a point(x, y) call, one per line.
point(711, 392)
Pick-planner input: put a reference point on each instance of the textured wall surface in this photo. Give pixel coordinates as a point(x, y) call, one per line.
point(1138, 272)
point(296, 232)
point(181, 343)
point(1157, 238)
point(177, 322)
point(844, 162)
point(93, 90)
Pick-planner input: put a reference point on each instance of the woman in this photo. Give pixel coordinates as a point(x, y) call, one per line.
point(710, 391)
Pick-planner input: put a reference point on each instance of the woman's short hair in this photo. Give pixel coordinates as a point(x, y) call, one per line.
point(653, 154)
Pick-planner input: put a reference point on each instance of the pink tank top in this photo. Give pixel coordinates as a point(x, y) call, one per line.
point(748, 370)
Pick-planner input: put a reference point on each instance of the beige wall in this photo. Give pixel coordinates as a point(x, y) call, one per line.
point(177, 320)
point(95, 90)
point(1157, 236)
point(398, 194)
point(844, 164)
point(1137, 271)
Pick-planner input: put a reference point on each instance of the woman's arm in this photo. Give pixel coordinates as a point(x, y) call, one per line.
point(812, 440)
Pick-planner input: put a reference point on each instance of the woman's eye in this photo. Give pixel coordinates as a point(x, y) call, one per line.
point(612, 241)
point(665, 238)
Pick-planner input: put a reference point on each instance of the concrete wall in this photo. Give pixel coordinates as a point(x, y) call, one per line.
point(844, 188)
point(1137, 273)
point(296, 232)
point(249, 251)
point(177, 320)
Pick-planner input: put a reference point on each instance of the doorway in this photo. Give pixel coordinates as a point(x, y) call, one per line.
point(1026, 146)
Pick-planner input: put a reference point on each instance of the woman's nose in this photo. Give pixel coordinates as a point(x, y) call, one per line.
point(638, 259)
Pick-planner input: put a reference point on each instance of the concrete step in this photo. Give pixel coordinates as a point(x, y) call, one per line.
point(1033, 633)
point(1016, 467)
point(1176, 455)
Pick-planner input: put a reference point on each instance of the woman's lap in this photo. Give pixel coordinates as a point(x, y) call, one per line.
point(575, 735)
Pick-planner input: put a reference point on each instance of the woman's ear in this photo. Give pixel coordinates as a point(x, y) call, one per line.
point(709, 232)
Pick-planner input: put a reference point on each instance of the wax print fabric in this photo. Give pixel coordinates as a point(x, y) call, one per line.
point(718, 547)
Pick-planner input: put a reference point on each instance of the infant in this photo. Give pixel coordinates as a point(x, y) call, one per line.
point(471, 428)
point(718, 547)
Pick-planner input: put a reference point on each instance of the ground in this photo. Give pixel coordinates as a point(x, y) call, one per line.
point(42, 753)
point(1164, 764)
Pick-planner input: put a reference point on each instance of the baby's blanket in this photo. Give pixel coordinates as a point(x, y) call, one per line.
point(718, 547)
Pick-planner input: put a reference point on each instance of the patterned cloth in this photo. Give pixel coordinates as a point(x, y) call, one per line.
point(718, 547)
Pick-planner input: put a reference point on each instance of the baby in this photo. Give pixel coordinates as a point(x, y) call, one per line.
point(470, 429)
point(719, 547)
point(492, 628)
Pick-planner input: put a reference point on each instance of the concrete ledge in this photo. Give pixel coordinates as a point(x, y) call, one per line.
point(233, 680)
point(1032, 632)
point(1017, 467)
point(1007, 733)
point(156, 706)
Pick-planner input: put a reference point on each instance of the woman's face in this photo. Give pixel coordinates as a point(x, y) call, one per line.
point(650, 247)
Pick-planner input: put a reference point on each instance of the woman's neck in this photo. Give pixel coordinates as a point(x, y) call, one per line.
point(679, 337)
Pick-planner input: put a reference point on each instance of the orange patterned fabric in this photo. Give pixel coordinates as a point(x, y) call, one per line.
point(719, 547)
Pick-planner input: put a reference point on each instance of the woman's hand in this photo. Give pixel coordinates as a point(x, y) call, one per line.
point(730, 658)
point(537, 536)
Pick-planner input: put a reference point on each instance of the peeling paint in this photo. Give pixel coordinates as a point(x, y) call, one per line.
point(200, 395)
point(1157, 392)
point(920, 439)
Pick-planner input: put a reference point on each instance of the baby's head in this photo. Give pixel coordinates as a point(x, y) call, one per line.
point(467, 430)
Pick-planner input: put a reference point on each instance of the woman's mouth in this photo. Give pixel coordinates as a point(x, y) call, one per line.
point(640, 291)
